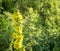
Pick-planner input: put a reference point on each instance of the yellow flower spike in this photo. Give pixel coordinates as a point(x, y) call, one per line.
point(17, 20)
point(17, 45)
point(15, 35)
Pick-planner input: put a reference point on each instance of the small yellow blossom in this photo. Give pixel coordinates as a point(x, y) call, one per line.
point(18, 29)
point(20, 17)
point(17, 45)
point(17, 15)
point(20, 37)
point(15, 35)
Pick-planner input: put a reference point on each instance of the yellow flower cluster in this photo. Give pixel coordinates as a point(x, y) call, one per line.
point(17, 16)
point(17, 35)
point(17, 44)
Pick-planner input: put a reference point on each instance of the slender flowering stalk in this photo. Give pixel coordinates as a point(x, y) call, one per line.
point(17, 35)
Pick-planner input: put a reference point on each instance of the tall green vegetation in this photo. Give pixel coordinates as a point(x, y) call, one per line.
point(41, 24)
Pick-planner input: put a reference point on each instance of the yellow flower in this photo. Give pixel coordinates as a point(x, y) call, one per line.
point(17, 15)
point(15, 35)
point(17, 45)
point(18, 29)
point(20, 17)
point(20, 37)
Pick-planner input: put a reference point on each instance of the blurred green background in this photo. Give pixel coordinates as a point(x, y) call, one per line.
point(41, 24)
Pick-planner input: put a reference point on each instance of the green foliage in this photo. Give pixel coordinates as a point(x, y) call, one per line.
point(5, 32)
point(41, 24)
